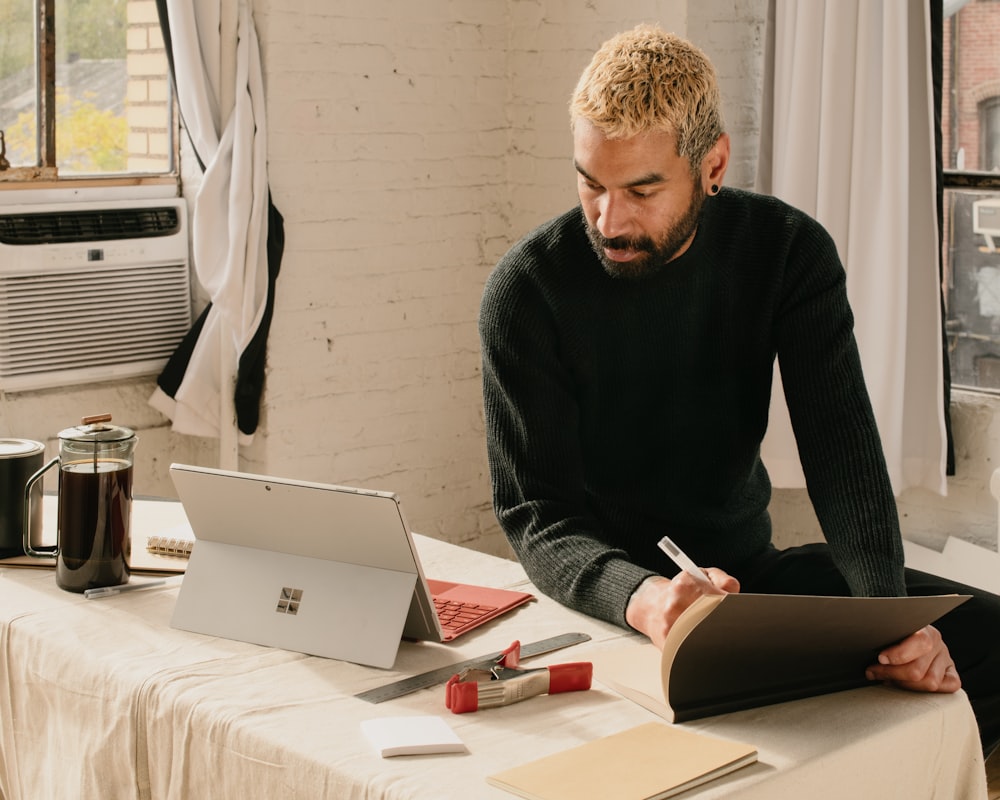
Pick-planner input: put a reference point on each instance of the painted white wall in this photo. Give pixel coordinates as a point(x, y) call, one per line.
point(410, 144)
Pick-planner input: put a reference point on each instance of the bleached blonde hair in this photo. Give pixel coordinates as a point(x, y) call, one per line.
point(646, 80)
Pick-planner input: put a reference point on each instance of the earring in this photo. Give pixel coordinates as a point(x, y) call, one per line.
point(714, 189)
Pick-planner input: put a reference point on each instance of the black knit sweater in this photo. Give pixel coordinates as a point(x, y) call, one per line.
point(618, 411)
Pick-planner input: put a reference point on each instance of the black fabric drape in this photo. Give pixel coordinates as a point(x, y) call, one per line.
point(250, 369)
point(937, 76)
point(250, 372)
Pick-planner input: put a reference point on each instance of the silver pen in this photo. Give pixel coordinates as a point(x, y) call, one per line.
point(107, 591)
point(681, 559)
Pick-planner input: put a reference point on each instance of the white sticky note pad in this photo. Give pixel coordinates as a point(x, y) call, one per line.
point(403, 736)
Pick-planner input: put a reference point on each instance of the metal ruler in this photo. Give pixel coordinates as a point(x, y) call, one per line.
point(391, 691)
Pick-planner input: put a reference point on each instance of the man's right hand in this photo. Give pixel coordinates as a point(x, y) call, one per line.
point(655, 606)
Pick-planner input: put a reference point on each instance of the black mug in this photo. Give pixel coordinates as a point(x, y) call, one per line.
point(19, 460)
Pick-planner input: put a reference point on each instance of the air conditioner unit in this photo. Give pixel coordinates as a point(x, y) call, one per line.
point(91, 291)
point(986, 219)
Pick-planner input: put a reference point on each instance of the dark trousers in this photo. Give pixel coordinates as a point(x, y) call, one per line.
point(971, 631)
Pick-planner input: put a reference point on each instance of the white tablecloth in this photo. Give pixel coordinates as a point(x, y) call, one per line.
point(103, 699)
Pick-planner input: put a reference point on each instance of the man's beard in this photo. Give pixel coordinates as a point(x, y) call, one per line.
point(655, 254)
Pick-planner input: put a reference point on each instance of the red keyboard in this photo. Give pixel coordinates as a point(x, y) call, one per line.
point(456, 616)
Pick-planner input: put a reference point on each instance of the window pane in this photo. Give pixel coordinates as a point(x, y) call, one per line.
point(991, 134)
point(971, 74)
point(18, 94)
point(113, 107)
point(112, 98)
point(970, 122)
point(972, 287)
point(91, 131)
point(149, 101)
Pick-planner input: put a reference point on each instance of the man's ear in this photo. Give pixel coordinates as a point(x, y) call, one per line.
point(713, 166)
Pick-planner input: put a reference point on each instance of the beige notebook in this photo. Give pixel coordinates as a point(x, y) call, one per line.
point(648, 762)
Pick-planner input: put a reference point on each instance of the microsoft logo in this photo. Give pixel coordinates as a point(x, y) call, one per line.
point(288, 601)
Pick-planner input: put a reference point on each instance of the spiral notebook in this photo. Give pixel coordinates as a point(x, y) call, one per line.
point(166, 545)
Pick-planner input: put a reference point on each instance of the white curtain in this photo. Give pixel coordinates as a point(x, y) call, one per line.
point(217, 71)
point(851, 142)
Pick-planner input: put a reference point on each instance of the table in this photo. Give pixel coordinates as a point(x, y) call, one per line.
point(103, 699)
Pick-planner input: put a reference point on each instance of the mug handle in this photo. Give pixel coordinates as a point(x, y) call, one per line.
point(26, 531)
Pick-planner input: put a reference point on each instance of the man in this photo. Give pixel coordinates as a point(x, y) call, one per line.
point(628, 348)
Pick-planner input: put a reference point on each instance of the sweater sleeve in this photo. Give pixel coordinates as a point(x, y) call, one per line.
point(831, 414)
point(534, 453)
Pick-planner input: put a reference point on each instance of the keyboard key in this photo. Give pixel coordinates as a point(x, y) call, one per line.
point(454, 615)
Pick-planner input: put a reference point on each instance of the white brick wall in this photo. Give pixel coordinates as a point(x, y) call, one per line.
point(409, 145)
point(387, 158)
point(732, 34)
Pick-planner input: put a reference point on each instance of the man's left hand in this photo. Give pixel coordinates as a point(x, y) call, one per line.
point(920, 663)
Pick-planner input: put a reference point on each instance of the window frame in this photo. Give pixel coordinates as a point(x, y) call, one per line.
point(45, 173)
point(958, 181)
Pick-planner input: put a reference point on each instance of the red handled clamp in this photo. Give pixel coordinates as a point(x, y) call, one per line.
point(502, 682)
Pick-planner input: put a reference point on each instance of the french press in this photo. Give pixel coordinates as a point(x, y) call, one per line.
point(93, 538)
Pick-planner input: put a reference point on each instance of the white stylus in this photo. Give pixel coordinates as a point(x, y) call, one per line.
point(108, 591)
point(681, 559)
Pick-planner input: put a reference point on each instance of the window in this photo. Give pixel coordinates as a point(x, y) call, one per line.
point(84, 90)
point(970, 121)
point(990, 126)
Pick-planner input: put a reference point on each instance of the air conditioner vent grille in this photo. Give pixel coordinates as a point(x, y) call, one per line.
point(77, 307)
point(98, 225)
point(80, 320)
